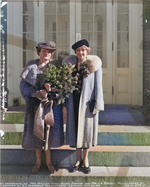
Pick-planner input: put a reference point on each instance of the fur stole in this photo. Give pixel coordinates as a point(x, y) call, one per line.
point(92, 62)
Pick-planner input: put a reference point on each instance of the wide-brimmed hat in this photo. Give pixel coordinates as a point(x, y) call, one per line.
point(47, 45)
point(80, 43)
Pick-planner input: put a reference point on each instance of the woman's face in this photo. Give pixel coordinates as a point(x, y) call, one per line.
point(81, 52)
point(45, 54)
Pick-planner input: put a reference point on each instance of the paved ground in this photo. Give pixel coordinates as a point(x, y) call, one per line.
point(96, 171)
point(21, 176)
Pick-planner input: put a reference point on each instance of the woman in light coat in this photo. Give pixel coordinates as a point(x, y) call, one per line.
point(28, 87)
point(82, 124)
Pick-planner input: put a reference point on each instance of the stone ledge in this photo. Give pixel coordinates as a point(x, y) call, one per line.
point(93, 149)
point(108, 135)
point(104, 138)
point(7, 127)
point(123, 128)
point(99, 177)
point(121, 115)
point(113, 114)
point(96, 171)
point(14, 117)
point(136, 156)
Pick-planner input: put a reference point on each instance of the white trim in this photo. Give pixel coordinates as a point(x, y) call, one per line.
point(72, 25)
point(98, 148)
point(140, 53)
point(78, 17)
point(136, 53)
point(12, 127)
point(101, 128)
point(14, 49)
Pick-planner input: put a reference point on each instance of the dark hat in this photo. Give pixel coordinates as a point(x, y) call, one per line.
point(47, 45)
point(80, 43)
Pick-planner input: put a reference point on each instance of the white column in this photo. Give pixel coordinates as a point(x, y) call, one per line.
point(14, 49)
point(39, 23)
point(136, 52)
point(107, 72)
point(72, 25)
point(140, 54)
point(78, 20)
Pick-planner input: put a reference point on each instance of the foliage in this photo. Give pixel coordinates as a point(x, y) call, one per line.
point(16, 101)
point(146, 108)
point(61, 80)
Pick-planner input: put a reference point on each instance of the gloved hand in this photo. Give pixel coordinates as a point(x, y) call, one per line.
point(43, 93)
point(95, 111)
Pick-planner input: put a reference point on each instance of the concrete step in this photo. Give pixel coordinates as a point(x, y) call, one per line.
point(124, 135)
point(99, 177)
point(95, 171)
point(120, 160)
point(113, 114)
point(119, 156)
point(122, 115)
point(108, 134)
point(14, 117)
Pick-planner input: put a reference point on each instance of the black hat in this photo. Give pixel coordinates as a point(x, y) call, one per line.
point(47, 45)
point(80, 43)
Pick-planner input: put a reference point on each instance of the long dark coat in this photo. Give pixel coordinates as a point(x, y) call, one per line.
point(27, 88)
point(87, 122)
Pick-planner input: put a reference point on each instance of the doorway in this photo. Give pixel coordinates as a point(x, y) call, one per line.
point(106, 26)
point(114, 31)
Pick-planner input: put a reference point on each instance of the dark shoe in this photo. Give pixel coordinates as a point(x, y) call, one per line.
point(75, 168)
point(36, 168)
point(50, 168)
point(87, 170)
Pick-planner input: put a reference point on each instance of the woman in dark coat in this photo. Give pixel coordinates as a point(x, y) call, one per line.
point(82, 124)
point(28, 89)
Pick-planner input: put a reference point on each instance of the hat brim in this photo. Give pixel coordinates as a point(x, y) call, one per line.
point(46, 47)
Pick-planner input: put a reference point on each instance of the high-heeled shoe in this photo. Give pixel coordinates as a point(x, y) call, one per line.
point(36, 168)
point(87, 170)
point(75, 168)
point(51, 168)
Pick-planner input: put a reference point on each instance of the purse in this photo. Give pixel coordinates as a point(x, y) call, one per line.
point(92, 104)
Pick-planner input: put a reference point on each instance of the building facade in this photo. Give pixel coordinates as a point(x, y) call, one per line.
point(114, 29)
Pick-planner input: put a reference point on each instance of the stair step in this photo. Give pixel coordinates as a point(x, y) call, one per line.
point(122, 115)
point(99, 177)
point(113, 162)
point(123, 128)
point(95, 171)
point(108, 135)
point(113, 114)
point(14, 117)
point(136, 156)
point(18, 127)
